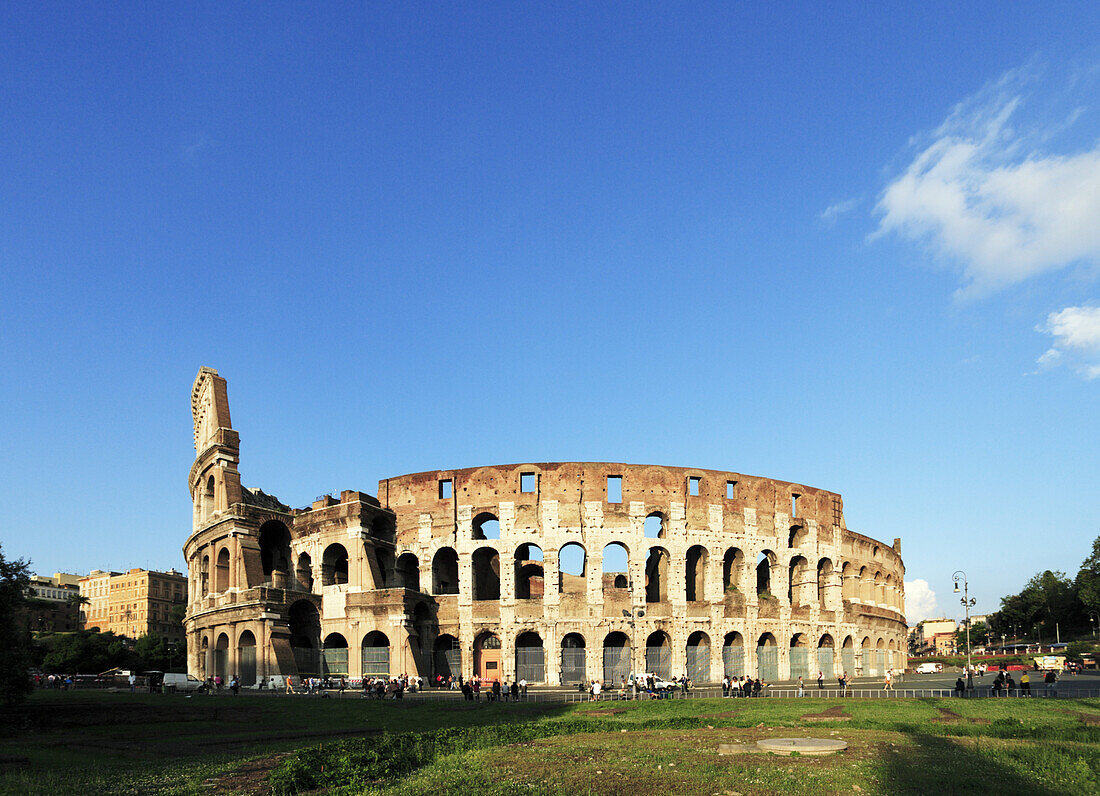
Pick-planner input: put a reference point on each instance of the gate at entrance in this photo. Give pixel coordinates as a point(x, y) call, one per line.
point(530, 658)
point(825, 662)
point(848, 661)
point(487, 657)
point(616, 658)
point(800, 663)
point(572, 659)
point(767, 664)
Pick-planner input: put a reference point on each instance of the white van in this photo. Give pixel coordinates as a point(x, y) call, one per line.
point(930, 668)
point(181, 682)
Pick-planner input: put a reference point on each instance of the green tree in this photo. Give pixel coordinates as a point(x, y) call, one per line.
point(1088, 579)
point(15, 641)
point(1048, 598)
point(978, 632)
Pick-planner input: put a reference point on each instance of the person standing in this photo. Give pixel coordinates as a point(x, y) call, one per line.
point(523, 685)
point(133, 680)
point(888, 680)
point(820, 681)
point(1025, 684)
point(801, 687)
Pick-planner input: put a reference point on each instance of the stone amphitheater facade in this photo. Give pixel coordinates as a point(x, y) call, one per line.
point(553, 572)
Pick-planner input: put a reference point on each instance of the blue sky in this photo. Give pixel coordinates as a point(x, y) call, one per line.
point(853, 248)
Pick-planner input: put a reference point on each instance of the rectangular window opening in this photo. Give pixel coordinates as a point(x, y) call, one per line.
point(794, 504)
point(526, 482)
point(446, 488)
point(614, 489)
point(730, 485)
point(693, 486)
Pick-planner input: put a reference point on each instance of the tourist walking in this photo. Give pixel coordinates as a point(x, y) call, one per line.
point(801, 687)
point(289, 685)
point(820, 681)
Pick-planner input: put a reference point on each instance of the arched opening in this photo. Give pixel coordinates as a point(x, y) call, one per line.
point(334, 565)
point(848, 656)
point(868, 654)
point(696, 574)
point(221, 658)
point(764, 564)
point(658, 654)
point(529, 573)
point(825, 663)
point(486, 526)
point(616, 559)
point(698, 657)
point(865, 586)
point(889, 591)
point(732, 564)
point(656, 575)
point(382, 529)
point(305, 637)
point(407, 572)
point(487, 657)
point(425, 629)
point(800, 657)
point(246, 658)
point(797, 536)
point(334, 656)
point(447, 657)
point(799, 583)
point(879, 589)
point(305, 572)
point(204, 651)
point(208, 499)
point(275, 553)
point(381, 566)
point(824, 578)
point(616, 657)
point(572, 659)
point(848, 589)
point(572, 560)
point(486, 572)
point(733, 654)
point(767, 658)
point(530, 658)
point(445, 571)
point(375, 654)
point(654, 526)
point(204, 576)
point(221, 574)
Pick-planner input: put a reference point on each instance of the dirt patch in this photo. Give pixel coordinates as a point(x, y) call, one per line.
point(251, 778)
point(1088, 719)
point(835, 713)
point(948, 716)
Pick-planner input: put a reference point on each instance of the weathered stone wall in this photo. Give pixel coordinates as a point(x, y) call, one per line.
point(422, 569)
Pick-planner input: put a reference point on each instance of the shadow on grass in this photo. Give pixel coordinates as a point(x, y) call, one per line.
point(949, 765)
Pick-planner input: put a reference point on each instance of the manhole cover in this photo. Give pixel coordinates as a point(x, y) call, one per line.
point(803, 746)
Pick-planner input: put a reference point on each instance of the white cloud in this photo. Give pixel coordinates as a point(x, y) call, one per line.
point(1076, 333)
point(985, 195)
point(834, 211)
point(920, 601)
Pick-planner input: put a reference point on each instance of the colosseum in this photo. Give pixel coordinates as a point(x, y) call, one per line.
point(559, 573)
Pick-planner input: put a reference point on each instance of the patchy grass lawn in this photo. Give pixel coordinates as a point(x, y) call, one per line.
point(122, 744)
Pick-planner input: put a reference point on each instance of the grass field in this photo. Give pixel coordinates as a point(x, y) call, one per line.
point(122, 744)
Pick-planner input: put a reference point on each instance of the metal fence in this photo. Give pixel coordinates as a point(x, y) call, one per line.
point(376, 661)
point(733, 661)
point(246, 662)
point(572, 665)
point(308, 661)
point(848, 661)
point(767, 663)
point(531, 664)
point(445, 662)
point(659, 661)
point(800, 663)
point(616, 664)
point(335, 661)
point(825, 662)
point(698, 664)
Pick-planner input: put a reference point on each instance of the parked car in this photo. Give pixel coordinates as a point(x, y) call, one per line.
point(930, 668)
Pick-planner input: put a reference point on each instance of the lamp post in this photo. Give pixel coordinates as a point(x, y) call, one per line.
point(968, 603)
point(1093, 617)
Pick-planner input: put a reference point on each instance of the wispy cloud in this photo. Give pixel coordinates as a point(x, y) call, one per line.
point(988, 195)
point(920, 601)
point(831, 213)
point(1076, 333)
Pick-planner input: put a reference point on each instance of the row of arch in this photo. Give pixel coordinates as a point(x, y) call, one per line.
point(330, 656)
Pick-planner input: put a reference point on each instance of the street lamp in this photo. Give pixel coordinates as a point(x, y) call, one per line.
point(968, 603)
point(1093, 618)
